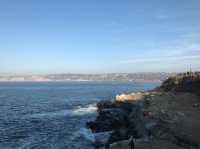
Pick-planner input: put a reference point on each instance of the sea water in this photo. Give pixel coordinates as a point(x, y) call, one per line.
point(52, 115)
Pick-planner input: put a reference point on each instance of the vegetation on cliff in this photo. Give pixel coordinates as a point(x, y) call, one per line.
point(185, 82)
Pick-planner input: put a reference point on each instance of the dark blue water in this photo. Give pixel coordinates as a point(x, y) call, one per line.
point(52, 115)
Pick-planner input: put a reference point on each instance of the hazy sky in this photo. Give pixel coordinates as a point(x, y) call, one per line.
point(93, 36)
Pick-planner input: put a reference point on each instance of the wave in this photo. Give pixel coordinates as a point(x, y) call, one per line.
point(85, 110)
point(85, 133)
point(78, 111)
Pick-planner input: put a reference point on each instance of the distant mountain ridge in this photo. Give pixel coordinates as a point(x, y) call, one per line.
point(137, 77)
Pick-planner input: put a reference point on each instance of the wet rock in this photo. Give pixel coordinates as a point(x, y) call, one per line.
point(150, 125)
point(128, 107)
point(101, 138)
point(196, 105)
point(117, 135)
point(124, 119)
point(136, 122)
point(186, 141)
point(105, 104)
point(108, 119)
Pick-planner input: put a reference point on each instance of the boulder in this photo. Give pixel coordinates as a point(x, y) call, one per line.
point(108, 120)
point(105, 104)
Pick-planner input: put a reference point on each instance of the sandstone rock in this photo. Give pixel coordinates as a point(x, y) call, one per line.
point(130, 97)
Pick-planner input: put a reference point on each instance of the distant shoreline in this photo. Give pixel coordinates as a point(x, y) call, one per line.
point(128, 77)
point(35, 81)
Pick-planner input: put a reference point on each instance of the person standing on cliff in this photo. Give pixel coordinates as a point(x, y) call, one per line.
point(132, 143)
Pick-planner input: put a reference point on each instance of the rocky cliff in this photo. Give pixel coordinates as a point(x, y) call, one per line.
point(156, 119)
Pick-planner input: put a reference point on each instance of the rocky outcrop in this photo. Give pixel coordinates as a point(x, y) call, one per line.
point(160, 119)
point(108, 119)
point(172, 117)
point(131, 96)
point(138, 96)
point(101, 138)
point(123, 119)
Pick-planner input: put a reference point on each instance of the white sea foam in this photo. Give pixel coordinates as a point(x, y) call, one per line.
point(80, 110)
point(85, 110)
point(85, 133)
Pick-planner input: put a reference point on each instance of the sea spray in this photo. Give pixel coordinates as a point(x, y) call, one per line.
point(77, 111)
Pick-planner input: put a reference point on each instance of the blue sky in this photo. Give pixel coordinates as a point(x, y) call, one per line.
point(99, 36)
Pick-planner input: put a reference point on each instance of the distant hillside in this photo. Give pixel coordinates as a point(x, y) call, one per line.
point(186, 82)
point(137, 77)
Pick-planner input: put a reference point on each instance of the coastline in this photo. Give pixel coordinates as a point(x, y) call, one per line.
point(155, 119)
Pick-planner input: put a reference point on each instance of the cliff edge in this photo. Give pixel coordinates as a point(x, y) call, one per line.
point(167, 117)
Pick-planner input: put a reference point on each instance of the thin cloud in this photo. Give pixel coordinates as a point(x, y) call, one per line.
point(186, 52)
point(161, 16)
point(159, 59)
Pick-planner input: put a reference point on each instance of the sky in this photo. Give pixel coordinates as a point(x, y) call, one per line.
point(99, 36)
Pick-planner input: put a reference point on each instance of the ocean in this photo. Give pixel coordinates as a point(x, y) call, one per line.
point(52, 115)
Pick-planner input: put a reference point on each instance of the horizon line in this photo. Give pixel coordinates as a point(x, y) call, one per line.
point(68, 73)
